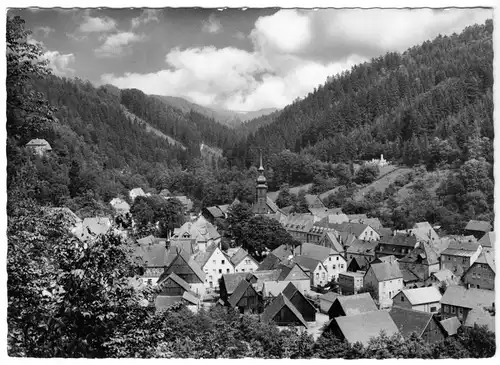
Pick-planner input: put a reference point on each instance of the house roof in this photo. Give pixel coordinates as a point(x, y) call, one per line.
point(162, 302)
point(457, 248)
point(399, 240)
point(362, 247)
point(239, 292)
point(362, 261)
point(299, 222)
point(357, 216)
point(316, 252)
point(191, 297)
point(120, 205)
point(291, 290)
point(443, 275)
point(459, 296)
point(239, 256)
point(275, 307)
point(422, 253)
point(283, 252)
point(488, 240)
point(428, 294)
point(349, 227)
point(137, 192)
point(383, 232)
point(187, 245)
point(93, 227)
point(408, 276)
point(224, 208)
point(330, 296)
point(307, 262)
point(481, 317)
point(409, 321)
point(357, 304)
point(372, 222)
point(425, 225)
point(346, 238)
point(215, 212)
point(312, 199)
point(152, 255)
point(201, 258)
point(332, 242)
point(190, 266)
point(478, 226)
point(325, 212)
point(273, 288)
point(231, 281)
point(179, 281)
point(150, 240)
point(451, 325)
point(362, 327)
point(486, 258)
point(386, 270)
point(165, 192)
point(271, 262)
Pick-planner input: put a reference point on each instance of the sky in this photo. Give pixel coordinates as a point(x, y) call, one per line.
point(234, 59)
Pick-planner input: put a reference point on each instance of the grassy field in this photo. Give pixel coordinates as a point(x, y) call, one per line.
point(273, 195)
point(387, 177)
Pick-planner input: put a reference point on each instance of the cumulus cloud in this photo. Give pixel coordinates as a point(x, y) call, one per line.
point(212, 25)
point(294, 51)
point(59, 63)
point(96, 24)
point(116, 44)
point(147, 16)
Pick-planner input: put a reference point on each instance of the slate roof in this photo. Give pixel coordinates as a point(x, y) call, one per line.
point(362, 327)
point(187, 245)
point(362, 261)
point(177, 254)
point(239, 256)
point(409, 321)
point(465, 249)
point(276, 305)
point(152, 255)
point(467, 298)
point(450, 325)
point(346, 238)
point(399, 240)
point(362, 247)
point(201, 258)
point(316, 252)
point(307, 262)
point(408, 276)
point(486, 258)
point(215, 212)
point(231, 281)
point(478, 226)
point(428, 294)
point(356, 304)
point(383, 232)
point(332, 242)
point(488, 240)
point(353, 228)
point(386, 271)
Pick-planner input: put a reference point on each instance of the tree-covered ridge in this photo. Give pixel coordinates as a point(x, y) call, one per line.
point(393, 104)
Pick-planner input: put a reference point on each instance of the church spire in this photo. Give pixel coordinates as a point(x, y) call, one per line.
point(261, 168)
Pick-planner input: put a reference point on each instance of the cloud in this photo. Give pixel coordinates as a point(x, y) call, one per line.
point(212, 25)
point(43, 31)
point(96, 24)
point(116, 44)
point(240, 35)
point(60, 62)
point(147, 16)
point(293, 52)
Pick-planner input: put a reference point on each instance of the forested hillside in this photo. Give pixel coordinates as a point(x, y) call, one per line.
point(397, 104)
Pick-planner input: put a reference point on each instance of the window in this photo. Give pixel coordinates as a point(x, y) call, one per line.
point(222, 262)
point(247, 261)
point(445, 308)
point(317, 276)
point(333, 267)
point(402, 298)
point(242, 270)
point(227, 270)
point(338, 258)
point(433, 309)
point(473, 274)
point(464, 260)
point(220, 271)
point(213, 262)
point(479, 275)
point(213, 270)
point(322, 275)
point(329, 259)
point(341, 266)
point(453, 309)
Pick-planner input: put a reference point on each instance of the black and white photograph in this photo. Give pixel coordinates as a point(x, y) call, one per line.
point(267, 182)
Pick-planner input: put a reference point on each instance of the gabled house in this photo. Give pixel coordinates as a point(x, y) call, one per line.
point(424, 325)
point(153, 257)
point(134, 193)
point(303, 305)
point(39, 146)
point(372, 222)
point(459, 256)
point(92, 228)
point(398, 245)
point(318, 272)
point(331, 258)
point(186, 268)
point(229, 282)
point(214, 263)
point(243, 262)
point(120, 206)
point(350, 282)
point(481, 316)
point(283, 313)
point(422, 231)
point(362, 251)
point(361, 231)
point(477, 228)
point(481, 274)
point(459, 301)
point(213, 213)
point(201, 230)
point(316, 233)
point(362, 327)
point(299, 225)
point(246, 299)
point(271, 262)
point(421, 261)
point(427, 299)
point(329, 239)
point(185, 201)
point(443, 277)
point(174, 285)
point(163, 302)
point(326, 300)
point(334, 215)
point(351, 305)
point(296, 274)
point(450, 326)
point(386, 278)
point(357, 264)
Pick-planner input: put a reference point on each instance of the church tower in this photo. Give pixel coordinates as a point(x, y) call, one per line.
point(260, 206)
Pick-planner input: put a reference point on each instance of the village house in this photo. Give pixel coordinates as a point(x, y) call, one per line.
point(459, 256)
point(299, 225)
point(39, 146)
point(186, 268)
point(362, 327)
point(352, 305)
point(229, 282)
point(386, 278)
point(324, 213)
point(318, 272)
point(283, 313)
point(296, 274)
point(372, 222)
point(398, 245)
point(246, 299)
point(362, 232)
point(477, 228)
point(153, 257)
point(424, 325)
point(326, 300)
point(337, 218)
point(316, 234)
point(350, 282)
point(163, 302)
point(201, 230)
point(427, 299)
point(120, 206)
point(450, 326)
point(214, 262)
point(481, 316)
point(363, 252)
point(481, 274)
point(134, 193)
point(422, 231)
point(331, 259)
point(243, 262)
point(92, 228)
point(458, 301)
point(329, 239)
point(303, 305)
point(213, 213)
point(487, 241)
point(421, 261)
